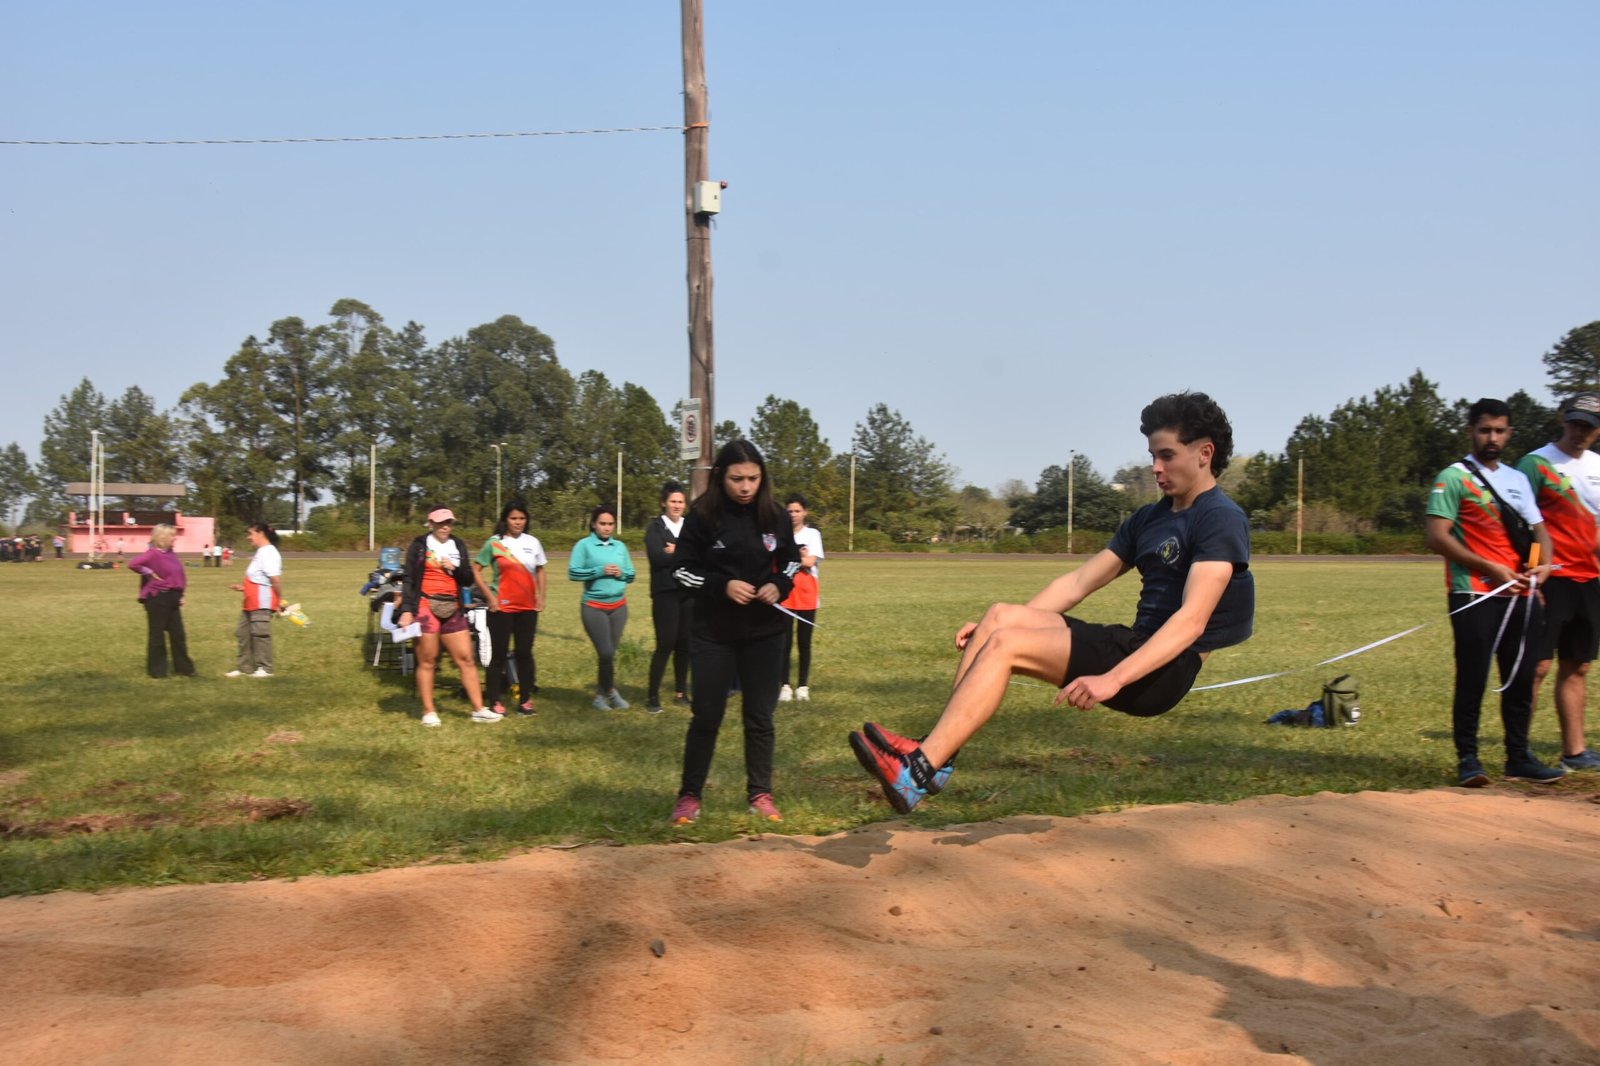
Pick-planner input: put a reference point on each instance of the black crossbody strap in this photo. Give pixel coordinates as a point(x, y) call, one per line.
point(1516, 526)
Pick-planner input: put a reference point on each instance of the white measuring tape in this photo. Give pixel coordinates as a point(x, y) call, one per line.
point(1478, 598)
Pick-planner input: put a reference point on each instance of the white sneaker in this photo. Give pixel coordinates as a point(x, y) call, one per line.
point(234, 673)
point(261, 673)
point(430, 719)
point(785, 694)
point(803, 694)
point(484, 714)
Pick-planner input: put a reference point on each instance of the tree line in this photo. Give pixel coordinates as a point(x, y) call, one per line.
point(289, 426)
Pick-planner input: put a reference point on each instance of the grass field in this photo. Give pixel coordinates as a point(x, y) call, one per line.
point(110, 778)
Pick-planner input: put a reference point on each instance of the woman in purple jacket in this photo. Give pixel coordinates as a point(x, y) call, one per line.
point(161, 585)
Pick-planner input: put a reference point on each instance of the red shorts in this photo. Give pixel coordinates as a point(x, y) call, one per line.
point(432, 626)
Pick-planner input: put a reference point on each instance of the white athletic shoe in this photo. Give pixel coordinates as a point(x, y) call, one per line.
point(785, 694)
point(234, 673)
point(803, 694)
point(261, 673)
point(484, 714)
point(430, 718)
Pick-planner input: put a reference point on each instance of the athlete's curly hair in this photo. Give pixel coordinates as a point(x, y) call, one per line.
point(1194, 415)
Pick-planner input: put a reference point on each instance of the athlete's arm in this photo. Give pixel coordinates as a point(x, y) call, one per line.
point(1071, 589)
point(1066, 591)
point(1440, 542)
point(1202, 591)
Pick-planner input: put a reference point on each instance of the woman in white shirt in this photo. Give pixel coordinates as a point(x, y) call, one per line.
point(262, 588)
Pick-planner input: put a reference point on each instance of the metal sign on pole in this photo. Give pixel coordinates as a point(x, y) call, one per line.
point(690, 429)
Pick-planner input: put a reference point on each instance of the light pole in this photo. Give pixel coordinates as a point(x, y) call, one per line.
point(497, 448)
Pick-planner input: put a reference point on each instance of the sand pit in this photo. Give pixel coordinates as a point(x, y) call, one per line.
point(1438, 927)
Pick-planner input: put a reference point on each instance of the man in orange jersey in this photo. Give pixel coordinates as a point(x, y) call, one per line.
point(1482, 518)
point(1566, 481)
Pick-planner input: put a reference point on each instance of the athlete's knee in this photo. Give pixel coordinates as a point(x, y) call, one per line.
point(1541, 670)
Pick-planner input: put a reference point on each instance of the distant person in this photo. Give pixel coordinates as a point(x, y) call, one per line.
point(59, 543)
point(804, 600)
point(219, 555)
point(737, 555)
point(438, 570)
point(1566, 483)
point(205, 555)
point(119, 547)
point(601, 562)
point(1196, 595)
point(161, 593)
point(510, 569)
point(1474, 507)
point(262, 588)
point(670, 602)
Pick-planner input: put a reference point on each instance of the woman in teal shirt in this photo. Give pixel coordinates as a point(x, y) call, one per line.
point(601, 562)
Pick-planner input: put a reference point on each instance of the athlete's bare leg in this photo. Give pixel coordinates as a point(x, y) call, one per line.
point(1004, 644)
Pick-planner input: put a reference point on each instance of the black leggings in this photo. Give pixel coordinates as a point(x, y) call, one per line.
point(1474, 632)
point(165, 621)
point(503, 626)
point(670, 611)
point(799, 633)
point(758, 664)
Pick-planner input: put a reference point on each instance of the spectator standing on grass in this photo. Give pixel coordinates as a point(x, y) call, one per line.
point(1196, 594)
point(738, 556)
point(1476, 508)
point(1566, 483)
point(438, 570)
point(262, 589)
point(59, 543)
point(161, 593)
point(803, 600)
point(670, 603)
point(205, 555)
point(601, 562)
point(510, 569)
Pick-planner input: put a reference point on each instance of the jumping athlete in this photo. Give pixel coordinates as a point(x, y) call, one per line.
point(1192, 550)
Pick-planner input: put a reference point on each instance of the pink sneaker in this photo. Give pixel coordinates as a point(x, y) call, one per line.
point(499, 708)
point(686, 811)
point(761, 805)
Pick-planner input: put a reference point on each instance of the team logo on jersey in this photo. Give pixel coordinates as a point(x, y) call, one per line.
point(769, 541)
point(1169, 551)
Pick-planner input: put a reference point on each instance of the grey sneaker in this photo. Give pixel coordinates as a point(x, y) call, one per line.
point(1532, 770)
point(1584, 760)
point(1469, 774)
point(601, 704)
point(614, 698)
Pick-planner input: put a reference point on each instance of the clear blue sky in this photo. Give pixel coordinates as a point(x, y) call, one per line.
point(1013, 222)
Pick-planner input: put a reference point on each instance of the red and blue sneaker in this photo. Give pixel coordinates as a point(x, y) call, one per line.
point(899, 745)
point(891, 770)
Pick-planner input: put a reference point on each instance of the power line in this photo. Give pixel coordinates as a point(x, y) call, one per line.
point(360, 140)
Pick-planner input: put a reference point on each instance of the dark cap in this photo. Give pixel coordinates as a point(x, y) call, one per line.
point(1584, 407)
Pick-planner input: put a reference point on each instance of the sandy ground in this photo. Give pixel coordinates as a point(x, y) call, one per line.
point(1438, 927)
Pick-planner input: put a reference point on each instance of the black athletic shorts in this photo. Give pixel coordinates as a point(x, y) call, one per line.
point(1097, 649)
point(1571, 620)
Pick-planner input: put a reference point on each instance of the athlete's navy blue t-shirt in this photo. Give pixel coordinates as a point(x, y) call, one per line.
point(1162, 545)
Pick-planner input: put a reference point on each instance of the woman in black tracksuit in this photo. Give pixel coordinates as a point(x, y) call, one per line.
point(737, 555)
point(669, 601)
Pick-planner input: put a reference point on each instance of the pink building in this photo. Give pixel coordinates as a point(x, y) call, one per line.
point(128, 532)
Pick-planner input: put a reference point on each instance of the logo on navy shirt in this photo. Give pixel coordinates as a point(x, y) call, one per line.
point(1169, 551)
point(769, 541)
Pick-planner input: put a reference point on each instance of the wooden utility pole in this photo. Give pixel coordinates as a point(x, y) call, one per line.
point(696, 164)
